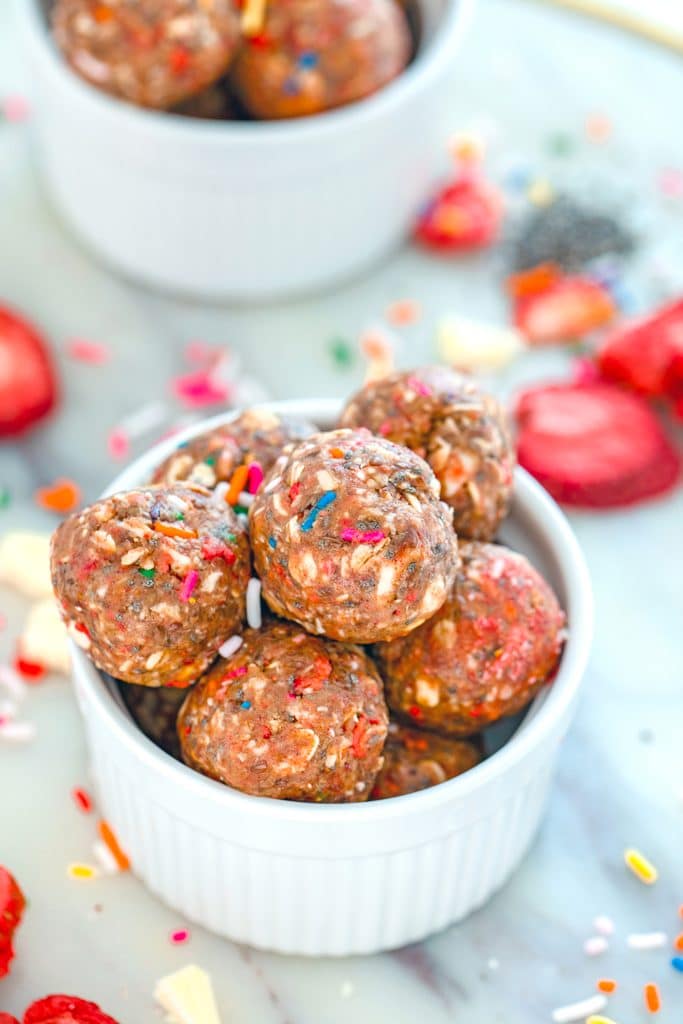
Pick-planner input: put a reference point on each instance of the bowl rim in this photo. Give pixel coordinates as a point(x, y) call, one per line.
point(164, 125)
point(547, 713)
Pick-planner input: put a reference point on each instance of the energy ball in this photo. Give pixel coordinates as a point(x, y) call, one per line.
point(257, 436)
point(485, 654)
point(350, 538)
point(461, 432)
point(153, 53)
point(288, 716)
point(151, 582)
point(313, 55)
point(415, 759)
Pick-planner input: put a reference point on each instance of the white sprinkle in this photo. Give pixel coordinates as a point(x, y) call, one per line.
point(231, 646)
point(347, 989)
point(219, 492)
point(245, 499)
point(604, 925)
point(254, 617)
point(105, 858)
point(493, 964)
point(12, 681)
point(596, 945)
point(144, 419)
point(17, 732)
point(576, 1011)
point(647, 940)
point(8, 710)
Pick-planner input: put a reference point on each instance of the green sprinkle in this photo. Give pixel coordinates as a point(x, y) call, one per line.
point(180, 515)
point(4, 497)
point(342, 353)
point(210, 460)
point(240, 510)
point(147, 573)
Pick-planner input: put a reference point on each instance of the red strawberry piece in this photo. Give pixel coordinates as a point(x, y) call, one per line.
point(465, 214)
point(595, 446)
point(12, 905)
point(673, 383)
point(568, 309)
point(28, 386)
point(640, 353)
point(7, 1018)
point(66, 1010)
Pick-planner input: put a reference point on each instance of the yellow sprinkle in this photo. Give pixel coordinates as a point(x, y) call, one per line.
point(82, 872)
point(540, 192)
point(641, 866)
point(598, 1019)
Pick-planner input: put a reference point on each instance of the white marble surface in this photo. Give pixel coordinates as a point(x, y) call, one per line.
point(527, 72)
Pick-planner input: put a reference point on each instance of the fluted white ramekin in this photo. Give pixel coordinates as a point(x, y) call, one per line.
point(346, 878)
point(243, 210)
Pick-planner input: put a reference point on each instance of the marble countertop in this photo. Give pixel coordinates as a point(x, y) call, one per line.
point(526, 72)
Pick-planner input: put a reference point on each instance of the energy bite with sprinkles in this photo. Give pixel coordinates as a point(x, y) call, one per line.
point(249, 444)
point(153, 53)
point(289, 716)
point(485, 654)
point(461, 432)
point(150, 582)
point(350, 538)
point(415, 759)
point(308, 56)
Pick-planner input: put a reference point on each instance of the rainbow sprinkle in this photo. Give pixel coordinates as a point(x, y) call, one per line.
point(179, 936)
point(323, 501)
point(641, 867)
point(189, 584)
point(82, 872)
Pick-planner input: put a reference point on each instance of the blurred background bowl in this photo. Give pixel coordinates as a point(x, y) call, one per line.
point(238, 209)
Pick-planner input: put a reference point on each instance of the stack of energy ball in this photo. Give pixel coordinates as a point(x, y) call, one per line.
point(227, 59)
point(395, 631)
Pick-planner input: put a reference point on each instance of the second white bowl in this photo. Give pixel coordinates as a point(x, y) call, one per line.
point(244, 210)
point(352, 878)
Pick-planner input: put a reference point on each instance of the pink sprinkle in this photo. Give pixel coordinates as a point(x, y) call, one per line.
point(180, 936)
point(418, 386)
point(92, 352)
point(362, 536)
point(118, 444)
point(241, 671)
point(255, 478)
point(385, 428)
point(16, 108)
point(671, 182)
point(199, 389)
point(189, 583)
point(403, 312)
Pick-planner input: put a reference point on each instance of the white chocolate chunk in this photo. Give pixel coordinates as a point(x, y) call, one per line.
point(187, 996)
point(44, 638)
point(25, 563)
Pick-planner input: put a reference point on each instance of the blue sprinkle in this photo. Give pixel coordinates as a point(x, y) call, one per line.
point(677, 963)
point(246, 704)
point(272, 542)
point(308, 60)
point(326, 499)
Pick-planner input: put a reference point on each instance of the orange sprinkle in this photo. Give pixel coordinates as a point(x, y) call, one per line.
point(169, 530)
point(607, 985)
point(237, 484)
point(652, 998)
point(403, 313)
point(598, 127)
point(532, 281)
point(336, 453)
point(110, 840)
point(678, 942)
point(63, 496)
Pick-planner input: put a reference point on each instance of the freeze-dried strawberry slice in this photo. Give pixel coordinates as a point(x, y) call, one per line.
point(28, 388)
point(66, 1010)
point(465, 214)
point(566, 310)
point(7, 1018)
point(594, 446)
point(12, 905)
point(640, 354)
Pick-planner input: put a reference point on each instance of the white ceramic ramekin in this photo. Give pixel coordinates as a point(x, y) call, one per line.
point(237, 209)
point(340, 879)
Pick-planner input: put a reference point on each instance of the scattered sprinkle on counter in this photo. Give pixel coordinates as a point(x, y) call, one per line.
point(606, 985)
point(647, 940)
point(82, 799)
point(82, 872)
point(580, 1010)
point(109, 839)
point(641, 867)
point(652, 998)
point(180, 936)
point(595, 945)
